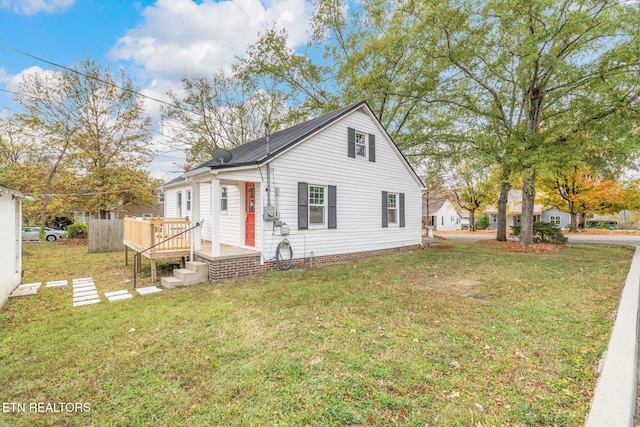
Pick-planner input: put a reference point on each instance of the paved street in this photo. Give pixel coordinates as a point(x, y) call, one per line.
point(604, 239)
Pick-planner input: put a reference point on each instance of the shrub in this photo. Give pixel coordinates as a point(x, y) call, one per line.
point(481, 222)
point(77, 230)
point(543, 232)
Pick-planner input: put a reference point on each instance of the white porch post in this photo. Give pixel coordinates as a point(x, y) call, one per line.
point(195, 213)
point(215, 216)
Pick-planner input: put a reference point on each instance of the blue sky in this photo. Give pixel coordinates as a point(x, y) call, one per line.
point(156, 41)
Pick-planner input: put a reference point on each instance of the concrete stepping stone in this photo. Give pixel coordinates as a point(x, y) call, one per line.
point(86, 297)
point(83, 284)
point(30, 285)
point(23, 292)
point(85, 293)
point(148, 290)
point(118, 295)
point(57, 283)
point(87, 302)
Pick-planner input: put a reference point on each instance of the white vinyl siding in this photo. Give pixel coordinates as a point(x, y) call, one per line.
point(11, 250)
point(321, 161)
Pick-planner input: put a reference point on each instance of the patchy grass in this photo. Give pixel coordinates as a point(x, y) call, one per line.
point(468, 335)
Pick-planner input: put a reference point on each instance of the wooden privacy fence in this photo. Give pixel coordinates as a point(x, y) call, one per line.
point(105, 235)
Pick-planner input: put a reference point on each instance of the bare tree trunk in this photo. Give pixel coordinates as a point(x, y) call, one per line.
point(505, 186)
point(528, 201)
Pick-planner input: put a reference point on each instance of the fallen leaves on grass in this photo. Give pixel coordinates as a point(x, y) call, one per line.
point(535, 248)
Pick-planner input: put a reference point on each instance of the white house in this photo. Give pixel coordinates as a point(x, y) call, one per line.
point(334, 187)
point(11, 250)
point(441, 214)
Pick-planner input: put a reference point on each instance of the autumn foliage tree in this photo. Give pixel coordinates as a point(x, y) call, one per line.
point(578, 191)
point(86, 150)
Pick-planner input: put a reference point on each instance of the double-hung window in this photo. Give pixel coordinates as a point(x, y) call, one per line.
point(317, 205)
point(223, 199)
point(361, 144)
point(392, 208)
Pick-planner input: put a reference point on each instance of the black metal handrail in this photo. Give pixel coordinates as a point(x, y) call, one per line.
point(138, 253)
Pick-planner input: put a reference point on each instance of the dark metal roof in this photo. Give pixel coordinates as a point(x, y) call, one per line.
point(255, 152)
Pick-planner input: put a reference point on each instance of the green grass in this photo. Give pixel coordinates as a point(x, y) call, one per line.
point(464, 336)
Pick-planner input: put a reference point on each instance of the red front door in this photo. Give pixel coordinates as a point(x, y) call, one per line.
point(250, 214)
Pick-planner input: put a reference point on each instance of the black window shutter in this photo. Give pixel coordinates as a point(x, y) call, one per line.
point(332, 207)
point(351, 142)
point(303, 206)
point(372, 147)
point(385, 209)
point(401, 209)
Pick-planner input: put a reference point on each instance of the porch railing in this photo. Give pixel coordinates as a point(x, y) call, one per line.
point(163, 234)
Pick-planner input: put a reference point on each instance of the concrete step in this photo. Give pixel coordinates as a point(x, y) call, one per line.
point(189, 277)
point(198, 267)
point(170, 282)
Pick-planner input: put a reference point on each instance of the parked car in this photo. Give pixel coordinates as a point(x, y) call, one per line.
point(33, 233)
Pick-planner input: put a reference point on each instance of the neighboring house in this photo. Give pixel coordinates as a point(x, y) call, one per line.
point(554, 216)
point(339, 187)
point(514, 213)
point(11, 250)
point(157, 209)
point(441, 214)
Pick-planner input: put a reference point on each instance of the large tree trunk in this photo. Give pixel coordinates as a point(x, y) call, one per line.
point(573, 227)
point(472, 220)
point(505, 186)
point(582, 219)
point(528, 201)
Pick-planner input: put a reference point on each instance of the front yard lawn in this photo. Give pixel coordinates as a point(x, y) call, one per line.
point(463, 336)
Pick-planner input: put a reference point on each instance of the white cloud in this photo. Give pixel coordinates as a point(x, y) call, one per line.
point(31, 7)
point(14, 81)
point(182, 37)
point(5, 77)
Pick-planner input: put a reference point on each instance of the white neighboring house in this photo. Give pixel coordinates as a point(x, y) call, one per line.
point(441, 215)
point(11, 250)
point(338, 185)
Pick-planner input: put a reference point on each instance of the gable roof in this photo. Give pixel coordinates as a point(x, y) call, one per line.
point(255, 152)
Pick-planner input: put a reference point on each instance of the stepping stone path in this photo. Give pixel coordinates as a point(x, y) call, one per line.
point(84, 292)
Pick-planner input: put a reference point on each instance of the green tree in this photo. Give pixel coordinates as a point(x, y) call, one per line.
point(538, 73)
point(538, 78)
point(224, 110)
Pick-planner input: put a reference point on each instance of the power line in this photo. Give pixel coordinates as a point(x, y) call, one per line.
point(169, 104)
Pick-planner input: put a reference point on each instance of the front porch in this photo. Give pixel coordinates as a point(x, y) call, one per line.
point(159, 238)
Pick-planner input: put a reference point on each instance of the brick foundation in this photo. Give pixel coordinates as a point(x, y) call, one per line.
point(248, 265)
